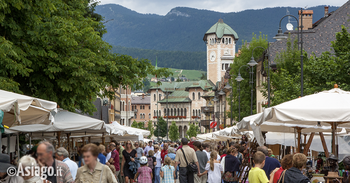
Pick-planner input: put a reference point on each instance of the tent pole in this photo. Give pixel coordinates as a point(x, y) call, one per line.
point(8, 143)
point(307, 147)
point(103, 139)
point(68, 147)
point(18, 154)
point(305, 135)
point(324, 145)
point(83, 138)
point(299, 138)
point(59, 139)
point(89, 139)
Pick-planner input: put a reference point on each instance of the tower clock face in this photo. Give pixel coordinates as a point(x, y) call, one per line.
point(212, 56)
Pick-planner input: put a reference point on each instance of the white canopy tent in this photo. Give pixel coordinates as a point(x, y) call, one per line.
point(327, 108)
point(24, 110)
point(131, 130)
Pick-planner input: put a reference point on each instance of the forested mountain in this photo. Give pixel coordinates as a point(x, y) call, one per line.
point(182, 29)
point(170, 59)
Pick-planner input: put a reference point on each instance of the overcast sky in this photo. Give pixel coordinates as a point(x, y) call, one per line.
point(162, 7)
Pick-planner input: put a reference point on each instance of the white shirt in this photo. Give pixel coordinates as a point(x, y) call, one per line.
point(215, 175)
point(208, 154)
point(159, 159)
point(148, 148)
point(73, 167)
point(108, 156)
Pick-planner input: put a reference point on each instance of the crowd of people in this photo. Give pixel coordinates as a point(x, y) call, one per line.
point(188, 161)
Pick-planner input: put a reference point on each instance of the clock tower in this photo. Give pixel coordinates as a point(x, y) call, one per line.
point(221, 45)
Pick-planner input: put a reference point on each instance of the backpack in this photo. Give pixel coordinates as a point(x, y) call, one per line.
point(150, 162)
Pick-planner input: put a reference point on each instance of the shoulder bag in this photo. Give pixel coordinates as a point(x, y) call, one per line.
point(192, 167)
point(281, 179)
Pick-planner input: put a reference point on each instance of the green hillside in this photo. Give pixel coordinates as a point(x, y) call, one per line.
point(169, 59)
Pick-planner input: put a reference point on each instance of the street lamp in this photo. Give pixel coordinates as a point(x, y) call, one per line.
point(228, 87)
point(281, 36)
point(222, 94)
point(239, 78)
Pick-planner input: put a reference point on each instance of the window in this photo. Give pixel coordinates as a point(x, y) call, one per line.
point(182, 111)
point(199, 112)
point(149, 107)
point(199, 95)
point(193, 96)
point(178, 111)
point(174, 112)
point(193, 113)
point(160, 97)
point(160, 113)
point(165, 112)
point(226, 66)
point(132, 108)
point(135, 116)
point(155, 114)
point(223, 67)
point(149, 116)
point(154, 97)
point(229, 41)
point(185, 111)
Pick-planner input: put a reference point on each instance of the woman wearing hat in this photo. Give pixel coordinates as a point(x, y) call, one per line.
point(4, 166)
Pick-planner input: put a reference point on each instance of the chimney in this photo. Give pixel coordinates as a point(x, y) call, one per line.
point(307, 18)
point(326, 11)
point(143, 96)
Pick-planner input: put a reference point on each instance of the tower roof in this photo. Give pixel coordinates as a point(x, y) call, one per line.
point(221, 29)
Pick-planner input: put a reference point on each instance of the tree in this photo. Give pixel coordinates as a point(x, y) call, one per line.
point(146, 85)
point(204, 76)
point(50, 54)
point(174, 134)
point(139, 125)
point(193, 130)
point(240, 60)
point(320, 73)
point(162, 127)
point(150, 128)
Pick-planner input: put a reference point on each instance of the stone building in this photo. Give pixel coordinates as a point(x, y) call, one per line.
point(221, 45)
point(141, 105)
point(182, 100)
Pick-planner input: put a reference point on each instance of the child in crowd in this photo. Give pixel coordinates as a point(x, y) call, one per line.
point(257, 174)
point(167, 172)
point(152, 162)
point(144, 173)
point(213, 168)
point(113, 170)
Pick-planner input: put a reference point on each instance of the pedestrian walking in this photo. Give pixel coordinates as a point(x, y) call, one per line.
point(185, 156)
point(152, 162)
point(129, 154)
point(62, 155)
point(45, 153)
point(213, 168)
point(144, 173)
point(202, 161)
point(158, 157)
point(167, 171)
point(94, 171)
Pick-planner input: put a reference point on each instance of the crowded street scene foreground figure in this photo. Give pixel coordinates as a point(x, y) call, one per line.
point(187, 161)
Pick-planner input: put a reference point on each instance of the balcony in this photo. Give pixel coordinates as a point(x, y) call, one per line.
point(207, 109)
point(205, 123)
point(130, 114)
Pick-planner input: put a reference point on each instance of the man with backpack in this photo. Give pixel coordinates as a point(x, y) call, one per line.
point(186, 156)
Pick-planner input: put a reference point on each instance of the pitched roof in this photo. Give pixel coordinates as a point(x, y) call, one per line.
point(318, 39)
point(172, 86)
point(141, 100)
point(221, 29)
point(179, 96)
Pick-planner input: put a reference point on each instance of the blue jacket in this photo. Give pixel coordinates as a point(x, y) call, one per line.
point(134, 165)
point(270, 165)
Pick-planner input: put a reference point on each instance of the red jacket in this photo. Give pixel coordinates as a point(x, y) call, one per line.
point(163, 153)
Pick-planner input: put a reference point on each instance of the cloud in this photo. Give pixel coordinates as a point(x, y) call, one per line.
point(162, 7)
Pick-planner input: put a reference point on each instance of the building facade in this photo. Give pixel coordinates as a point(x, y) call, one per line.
point(127, 114)
point(221, 45)
point(182, 101)
point(141, 105)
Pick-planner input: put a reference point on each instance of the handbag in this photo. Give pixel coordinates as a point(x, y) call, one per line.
point(229, 177)
point(192, 167)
